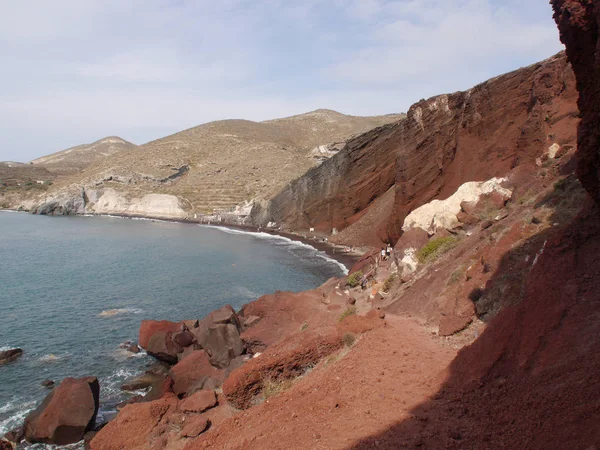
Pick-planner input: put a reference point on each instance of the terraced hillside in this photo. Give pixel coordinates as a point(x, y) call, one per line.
point(218, 166)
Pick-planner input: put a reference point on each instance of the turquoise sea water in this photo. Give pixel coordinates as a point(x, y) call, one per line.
point(73, 288)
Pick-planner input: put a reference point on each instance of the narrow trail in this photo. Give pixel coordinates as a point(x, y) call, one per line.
point(359, 392)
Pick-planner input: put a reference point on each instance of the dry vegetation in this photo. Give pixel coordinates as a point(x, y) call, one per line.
point(221, 164)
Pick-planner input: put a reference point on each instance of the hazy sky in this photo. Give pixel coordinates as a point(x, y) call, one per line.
point(74, 71)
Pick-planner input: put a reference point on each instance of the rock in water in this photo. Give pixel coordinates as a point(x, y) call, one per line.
point(48, 384)
point(10, 355)
point(66, 414)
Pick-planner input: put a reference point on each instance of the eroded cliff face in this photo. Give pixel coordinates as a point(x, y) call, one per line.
point(578, 22)
point(444, 142)
point(335, 193)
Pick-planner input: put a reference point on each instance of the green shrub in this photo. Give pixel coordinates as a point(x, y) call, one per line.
point(436, 247)
point(304, 326)
point(350, 311)
point(354, 279)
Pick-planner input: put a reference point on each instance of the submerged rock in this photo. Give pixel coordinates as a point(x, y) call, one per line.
point(10, 355)
point(66, 414)
point(48, 384)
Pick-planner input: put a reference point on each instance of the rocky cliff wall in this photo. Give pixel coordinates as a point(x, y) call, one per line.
point(444, 142)
point(330, 195)
point(578, 22)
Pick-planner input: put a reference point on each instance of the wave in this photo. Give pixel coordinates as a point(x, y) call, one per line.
point(18, 412)
point(118, 311)
point(275, 237)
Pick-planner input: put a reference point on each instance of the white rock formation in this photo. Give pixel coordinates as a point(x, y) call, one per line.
point(553, 150)
point(152, 205)
point(442, 213)
point(409, 260)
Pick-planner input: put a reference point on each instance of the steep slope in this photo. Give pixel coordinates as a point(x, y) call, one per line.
point(579, 22)
point(75, 159)
point(444, 142)
point(217, 166)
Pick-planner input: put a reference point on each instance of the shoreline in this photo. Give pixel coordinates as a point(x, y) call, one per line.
point(333, 251)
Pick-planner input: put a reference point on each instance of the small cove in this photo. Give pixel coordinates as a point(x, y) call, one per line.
point(73, 288)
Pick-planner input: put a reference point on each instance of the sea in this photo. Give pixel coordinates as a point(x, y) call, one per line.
point(73, 288)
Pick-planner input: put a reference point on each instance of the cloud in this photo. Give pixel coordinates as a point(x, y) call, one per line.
point(75, 71)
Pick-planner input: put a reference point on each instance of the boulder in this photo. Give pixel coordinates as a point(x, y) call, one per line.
point(187, 352)
point(225, 315)
point(66, 414)
point(162, 347)
point(183, 338)
point(467, 219)
point(199, 402)
point(192, 371)
point(222, 342)
point(149, 328)
point(10, 355)
point(158, 368)
point(130, 347)
point(195, 427)
point(160, 388)
point(48, 384)
point(142, 382)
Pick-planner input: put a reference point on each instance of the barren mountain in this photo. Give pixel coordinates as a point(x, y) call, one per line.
point(75, 159)
point(214, 167)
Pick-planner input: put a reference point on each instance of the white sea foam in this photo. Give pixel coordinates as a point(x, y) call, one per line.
point(51, 357)
point(244, 291)
point(19, 412)
point(119, 311)
point(275, 237)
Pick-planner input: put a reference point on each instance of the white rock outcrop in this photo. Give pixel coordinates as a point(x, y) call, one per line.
point(439, 214)
point(151, 205)
point(553, 150)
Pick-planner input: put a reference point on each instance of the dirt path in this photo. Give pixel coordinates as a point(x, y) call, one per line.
point(347, 397)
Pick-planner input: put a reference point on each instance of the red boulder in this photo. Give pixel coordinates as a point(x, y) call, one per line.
point(66, 414)
point(193, 372)
point(149, 328)
point(199, 401)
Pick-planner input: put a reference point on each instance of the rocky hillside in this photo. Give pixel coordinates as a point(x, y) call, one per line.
point(369, 187)
point(215, 167)
point(73, 160)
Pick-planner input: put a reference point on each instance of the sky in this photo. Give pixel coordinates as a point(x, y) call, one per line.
point(74, 71)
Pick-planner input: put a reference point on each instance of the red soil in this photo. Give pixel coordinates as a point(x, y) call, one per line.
point(355, 393)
